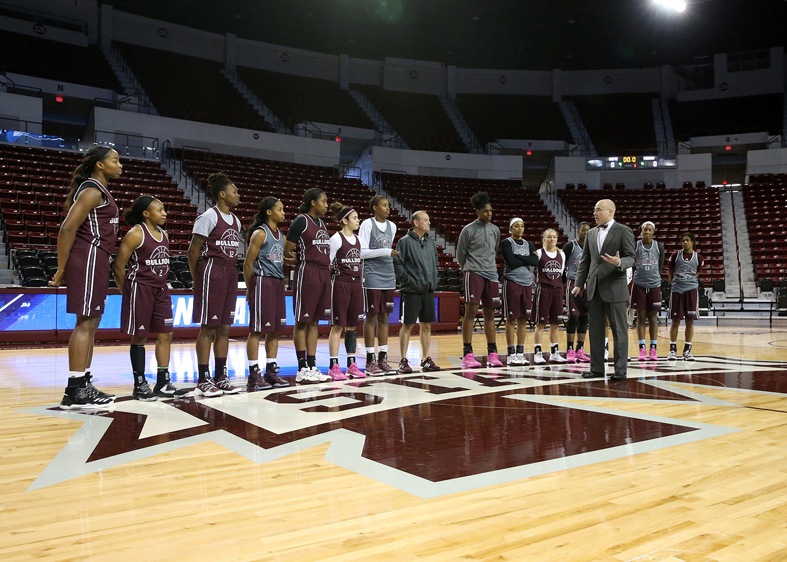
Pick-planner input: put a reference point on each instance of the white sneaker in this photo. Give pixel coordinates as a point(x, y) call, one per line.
point(673, 355)
point(306, 376)
point(322, 377)
point(557, 358)
point(538, 359)
point(516, 359)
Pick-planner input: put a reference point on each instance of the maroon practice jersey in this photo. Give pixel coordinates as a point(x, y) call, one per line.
point(550, 270)
point(149, 263)
point(101, 225)
point(223, 241)
point(347, 262)
point(314, 244)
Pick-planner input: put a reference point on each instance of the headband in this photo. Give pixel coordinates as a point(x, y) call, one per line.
point(148, 199)
point(512, 221)
point(647, 222)
point(351, 211)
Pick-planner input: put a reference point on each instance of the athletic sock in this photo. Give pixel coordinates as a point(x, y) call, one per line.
point(580, 345)
point(553, 348)
point(252, 364)
point(334, 361)
point(76, 378)
point(520, 349)
point(221, 367)
point(467, 348)
point(653, 343)
point(350, 360)
point(203, 373)
point(511, 350)
point(491, 348)
point(686, 346)
point(642, 344)
point(570, 345)
point(382, 352)
point(673, 346)
point(537, 348)
point(301, 355)
point(137, 353)
point(162, 376)
point(311, 360)
point(369, 356)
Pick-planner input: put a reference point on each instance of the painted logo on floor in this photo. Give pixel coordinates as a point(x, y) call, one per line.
point(428, 435)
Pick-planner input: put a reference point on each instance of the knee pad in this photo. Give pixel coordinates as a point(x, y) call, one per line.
point(571, 325)
point(583, 324)
point(350, 341)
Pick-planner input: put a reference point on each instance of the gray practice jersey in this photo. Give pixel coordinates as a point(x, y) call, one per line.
point(270, 260)
point(573, 259)
point(522, 275)
point(378, 272)
point(684, 274)
point(647, 274)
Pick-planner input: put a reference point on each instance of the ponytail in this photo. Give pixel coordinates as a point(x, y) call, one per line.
point(340, 211)
point(83, 172)
point(261, 217)
point(133, 215)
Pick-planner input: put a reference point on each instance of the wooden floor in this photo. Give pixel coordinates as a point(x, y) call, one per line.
point(681, 463)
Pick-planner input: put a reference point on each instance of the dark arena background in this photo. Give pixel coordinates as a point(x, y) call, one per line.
point(673, 109)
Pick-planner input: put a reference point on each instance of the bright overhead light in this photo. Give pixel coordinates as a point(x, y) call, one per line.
point(676, 5)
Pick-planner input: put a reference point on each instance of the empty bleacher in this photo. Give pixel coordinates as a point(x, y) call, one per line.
point(673, 211)
point(295, 99)
point(766, 215)
point(420, 119)
point(447, 201)
point(190, 88)
point(750, 114)
point(58, 61)
point(618, 123)
point(493, 117)
point(34, 183)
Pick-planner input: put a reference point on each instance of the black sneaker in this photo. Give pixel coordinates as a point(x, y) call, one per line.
point(143, 393)
point(89, 384)
point(257, 382)
point(169, 390)
point(84, 397)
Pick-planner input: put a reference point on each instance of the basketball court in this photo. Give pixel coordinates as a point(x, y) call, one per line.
point(683, 461)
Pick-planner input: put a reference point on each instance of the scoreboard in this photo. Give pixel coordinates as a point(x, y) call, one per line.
point(607, 163)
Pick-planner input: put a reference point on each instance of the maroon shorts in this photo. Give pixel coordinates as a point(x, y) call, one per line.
point(312, 293)
point(549, 305)
point(517, 300)
point(645, 300)
point(684, 305)
point(480, 290)
point(572, 306)
point(215, 293)
point(87, 280)
point(145, 309)
point(377, 301)
point(267, 312)
point(346, 303)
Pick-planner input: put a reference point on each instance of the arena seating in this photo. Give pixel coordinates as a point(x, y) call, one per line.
point(673, 211)
point(420, 119)
point(618, 123)
point(767, 219)
point(447, 201)
point(64, 62)
point(493, 117)
point(34, 183)
point(190, 88)
point(294, 99)
point(749, 114)
point(258, 179)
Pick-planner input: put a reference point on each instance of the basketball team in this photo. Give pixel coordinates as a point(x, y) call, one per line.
point(350, 279)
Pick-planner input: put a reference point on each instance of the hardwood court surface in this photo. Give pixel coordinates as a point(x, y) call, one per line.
point(680, 463)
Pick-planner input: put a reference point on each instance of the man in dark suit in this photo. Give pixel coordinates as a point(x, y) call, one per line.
point(610, 250)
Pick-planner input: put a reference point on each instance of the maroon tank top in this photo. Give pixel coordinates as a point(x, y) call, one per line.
point(550, 270)
point(101, 225)
point(347, 262)
point(314, 245)
point(224, 239)
point(149, 263)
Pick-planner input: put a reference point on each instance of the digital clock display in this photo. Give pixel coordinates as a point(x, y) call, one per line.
point(629, 163)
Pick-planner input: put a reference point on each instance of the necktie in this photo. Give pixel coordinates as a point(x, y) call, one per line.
point(603, 226)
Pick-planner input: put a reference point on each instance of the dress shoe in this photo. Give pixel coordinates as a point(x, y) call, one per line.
point(618, 377)
point(592, 375)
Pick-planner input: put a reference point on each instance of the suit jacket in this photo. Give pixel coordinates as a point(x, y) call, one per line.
point(600, 277)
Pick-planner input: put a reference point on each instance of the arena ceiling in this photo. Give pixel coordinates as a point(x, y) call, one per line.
point(506, 34)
